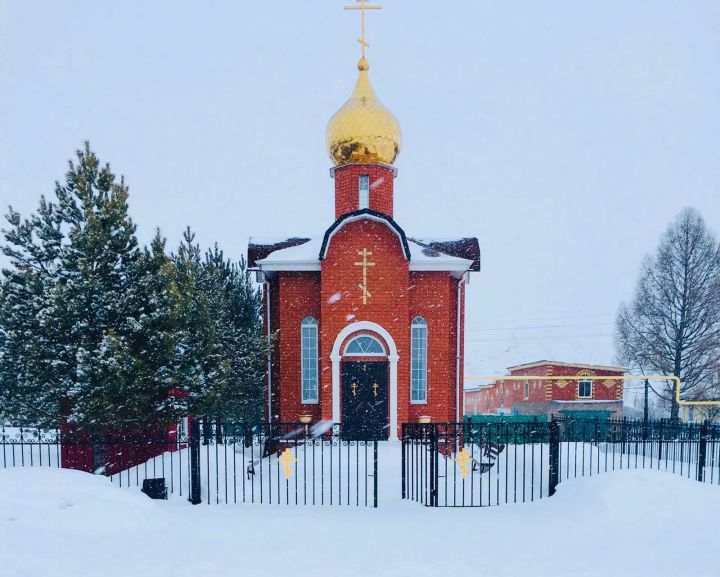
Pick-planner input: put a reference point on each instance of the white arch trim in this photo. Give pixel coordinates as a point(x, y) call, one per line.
point(393, 358)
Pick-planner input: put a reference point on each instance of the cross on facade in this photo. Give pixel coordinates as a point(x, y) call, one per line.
point(362, 5)
point(364, 264)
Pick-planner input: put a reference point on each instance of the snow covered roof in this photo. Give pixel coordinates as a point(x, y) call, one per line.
point(465, 248)
point(565, 364)
point(304, 254)
point(292, 254)
point(259, 249)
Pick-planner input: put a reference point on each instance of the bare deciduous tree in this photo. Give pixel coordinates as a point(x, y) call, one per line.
point(672, 326)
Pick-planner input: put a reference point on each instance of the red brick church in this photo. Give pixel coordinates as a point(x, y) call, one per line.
point(369, 320)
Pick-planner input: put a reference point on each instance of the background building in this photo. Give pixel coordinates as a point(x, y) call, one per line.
point(589, 395)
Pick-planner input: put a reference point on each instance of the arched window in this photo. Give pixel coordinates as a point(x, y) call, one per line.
point(418, 360)
point(365, 346)
point(309, 353)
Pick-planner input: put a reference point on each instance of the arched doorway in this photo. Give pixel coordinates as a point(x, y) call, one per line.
point(364, 354)
point(364, 383)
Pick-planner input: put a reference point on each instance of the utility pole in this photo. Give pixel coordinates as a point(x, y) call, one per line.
point(646, 407)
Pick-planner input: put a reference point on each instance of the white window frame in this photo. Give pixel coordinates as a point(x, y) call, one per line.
point(580, 382)
point(310, 362)
point(364, 191)
point(183, 429)
point(526, 391)
point(347, 354)
point(419, 324)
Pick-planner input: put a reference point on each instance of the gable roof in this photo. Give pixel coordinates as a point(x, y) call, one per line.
point(364, 214)
point(305, 254)
point(467, 248)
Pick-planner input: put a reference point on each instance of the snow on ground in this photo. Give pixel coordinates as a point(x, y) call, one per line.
point(622, 523)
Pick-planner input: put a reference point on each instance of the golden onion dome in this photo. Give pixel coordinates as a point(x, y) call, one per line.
point(363, 130)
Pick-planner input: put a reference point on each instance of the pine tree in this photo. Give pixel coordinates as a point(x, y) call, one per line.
point(92, 302)
point(154, 336)
point(107, 336)
point(29, 388)
point(246, 347)
point(224, 349)
point(86, 318)
point(199, 349)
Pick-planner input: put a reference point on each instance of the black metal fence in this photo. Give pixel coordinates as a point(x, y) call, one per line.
point(278, 463)
point(283, 463)
point(484, 464)
point(126, 459)
point(591, 447)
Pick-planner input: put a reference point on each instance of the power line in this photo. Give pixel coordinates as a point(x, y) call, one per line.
point(534, 327)
point(546, 318)
point(537, 338)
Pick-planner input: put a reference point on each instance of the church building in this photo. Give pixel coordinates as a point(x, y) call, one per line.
point(369, 320)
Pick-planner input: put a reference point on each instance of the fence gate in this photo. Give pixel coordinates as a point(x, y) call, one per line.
point(281, 463)
point(475, 464)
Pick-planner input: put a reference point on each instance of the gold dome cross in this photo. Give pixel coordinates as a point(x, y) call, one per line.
point(362, 5)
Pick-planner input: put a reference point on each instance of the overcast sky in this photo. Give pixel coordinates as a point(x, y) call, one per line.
point(564, 134)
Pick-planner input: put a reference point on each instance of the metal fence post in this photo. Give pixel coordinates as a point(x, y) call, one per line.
point(375, 474)
point(554, 477)
point(702, 451)
point(195, 497)
point(433, 466)
point(402, 474)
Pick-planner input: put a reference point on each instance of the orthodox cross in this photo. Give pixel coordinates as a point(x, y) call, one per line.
point(354, 388)
point(287, 459)
point(462, 460)
point(362, 5)
point(364, 263)
point(375, 389)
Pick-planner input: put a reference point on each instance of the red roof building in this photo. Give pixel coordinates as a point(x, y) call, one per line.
point(369, 321)
point(583, 390)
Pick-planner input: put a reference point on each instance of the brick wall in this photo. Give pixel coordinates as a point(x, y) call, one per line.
point(433, 295)
point(297, 295)
point(601, 390)
point(347, 188)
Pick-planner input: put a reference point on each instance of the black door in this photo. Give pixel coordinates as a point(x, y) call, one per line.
point(364, 401)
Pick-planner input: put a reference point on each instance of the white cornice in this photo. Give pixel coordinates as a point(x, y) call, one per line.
point(278, 266)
